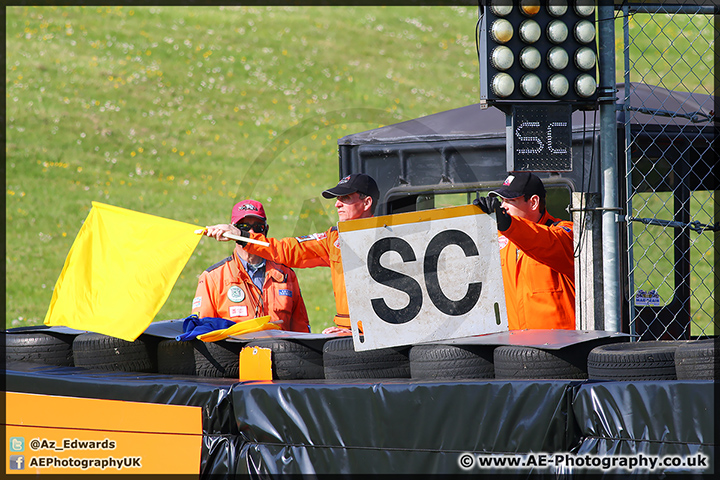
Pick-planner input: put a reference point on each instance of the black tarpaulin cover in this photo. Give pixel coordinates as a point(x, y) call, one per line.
point(656, 418)
point(397, 427)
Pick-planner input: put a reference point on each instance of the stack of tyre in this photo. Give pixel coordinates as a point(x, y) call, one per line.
point(150, 354)
point(647, 360)
point(336, 358)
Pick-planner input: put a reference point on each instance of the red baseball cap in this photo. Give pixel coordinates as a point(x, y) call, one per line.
point(247, 208)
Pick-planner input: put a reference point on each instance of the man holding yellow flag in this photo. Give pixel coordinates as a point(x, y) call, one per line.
point(245, 286)
point(355, 197)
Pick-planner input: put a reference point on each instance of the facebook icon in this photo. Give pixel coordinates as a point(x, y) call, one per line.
point(17, 462)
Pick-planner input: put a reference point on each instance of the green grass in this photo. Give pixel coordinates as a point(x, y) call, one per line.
point(654, 257)
point(181, 112)
point(673, 51)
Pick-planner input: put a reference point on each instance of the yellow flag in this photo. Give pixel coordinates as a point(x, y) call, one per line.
point(119, 271)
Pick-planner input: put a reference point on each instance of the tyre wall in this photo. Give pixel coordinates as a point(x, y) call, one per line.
point(402, 426)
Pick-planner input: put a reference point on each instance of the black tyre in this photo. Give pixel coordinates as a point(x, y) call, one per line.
point(341, 361)
point(696, 360)
point(524, 363)
point(176, 358)
point(645, 360)
point(40, 347)
point(195, 357)
point(293, 360)
point(451, 362)
point(102, 352)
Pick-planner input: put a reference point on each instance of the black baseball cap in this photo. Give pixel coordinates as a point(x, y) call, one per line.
point(356, 182)
point(519, 184)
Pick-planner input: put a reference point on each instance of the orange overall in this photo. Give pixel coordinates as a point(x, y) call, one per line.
point(539, 273)
point(316, 250)
point(226, 290)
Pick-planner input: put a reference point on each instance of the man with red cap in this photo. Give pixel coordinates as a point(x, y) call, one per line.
point(245, 286)
point(356, 197)
point(536, 253)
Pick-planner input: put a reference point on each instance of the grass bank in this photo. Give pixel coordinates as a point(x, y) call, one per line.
point(181, 112)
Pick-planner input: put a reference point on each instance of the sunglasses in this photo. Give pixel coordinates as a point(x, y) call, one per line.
point(257, 228)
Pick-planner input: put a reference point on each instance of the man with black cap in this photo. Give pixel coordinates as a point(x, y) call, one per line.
point(536, 252)
point(355, 197)
point(245, 286)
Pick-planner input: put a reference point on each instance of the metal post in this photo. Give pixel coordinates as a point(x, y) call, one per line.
point(609, 162)
point(632, 291)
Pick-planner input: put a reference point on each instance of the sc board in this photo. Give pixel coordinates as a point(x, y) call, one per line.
point(423, 276)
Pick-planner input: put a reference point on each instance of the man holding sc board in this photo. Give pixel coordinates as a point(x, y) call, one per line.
point(536, 252)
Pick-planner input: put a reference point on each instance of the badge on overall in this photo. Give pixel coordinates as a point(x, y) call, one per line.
point(236, 294)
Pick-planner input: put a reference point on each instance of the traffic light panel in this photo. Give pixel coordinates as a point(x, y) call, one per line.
point(533, 50)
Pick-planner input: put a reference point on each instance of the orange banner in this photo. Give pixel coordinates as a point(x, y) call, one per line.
point(51, 434)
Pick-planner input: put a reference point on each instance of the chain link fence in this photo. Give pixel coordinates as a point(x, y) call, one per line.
point(668, 53)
